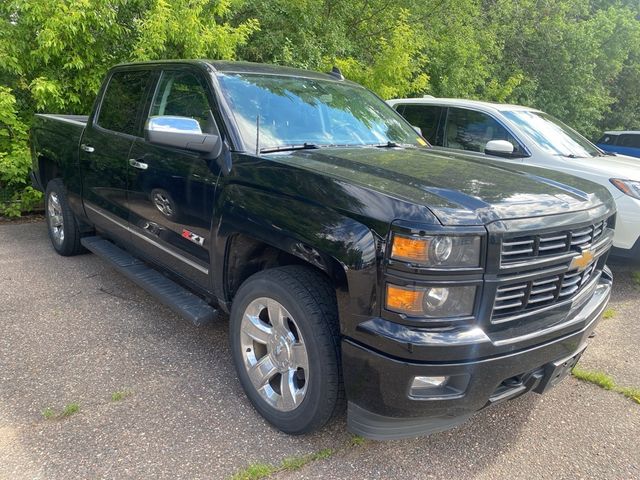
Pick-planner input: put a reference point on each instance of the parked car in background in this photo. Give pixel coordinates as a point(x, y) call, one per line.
point(526, 136)
point(620, 141)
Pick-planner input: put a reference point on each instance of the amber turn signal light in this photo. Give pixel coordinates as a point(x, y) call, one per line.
point(409, 248)
point(404, 300)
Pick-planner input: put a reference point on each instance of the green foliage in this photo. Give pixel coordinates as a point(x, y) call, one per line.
point(577, 59)
point(255, 472)
point(258, 471)
point(404, 75)
point(597, 378)
point(603, 380)
point(48, 413)
point(70, 409)
point(190, 29)
point(15, 162)
point(120, 395)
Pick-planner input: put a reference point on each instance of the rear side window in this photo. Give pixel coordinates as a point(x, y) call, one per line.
point(427, 117)
point(123, 101)
point(181, 94)
point(632, 141)
point(471, 130)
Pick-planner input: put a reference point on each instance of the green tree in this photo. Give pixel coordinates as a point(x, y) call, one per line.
point(54, 54)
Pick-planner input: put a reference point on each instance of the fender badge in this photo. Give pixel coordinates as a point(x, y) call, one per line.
point(582, 261)
point(197, 239)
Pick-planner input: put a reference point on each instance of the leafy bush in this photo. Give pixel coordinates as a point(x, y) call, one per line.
point(576, 59)
point(16, 195)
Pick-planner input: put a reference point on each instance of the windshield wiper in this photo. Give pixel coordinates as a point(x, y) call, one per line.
point(289, 148)
point(389, 144)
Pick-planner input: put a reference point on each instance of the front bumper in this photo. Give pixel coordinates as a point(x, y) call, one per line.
point(377, 384)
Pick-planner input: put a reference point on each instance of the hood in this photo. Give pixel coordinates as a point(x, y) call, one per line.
point(607, 166)
point(459, 190)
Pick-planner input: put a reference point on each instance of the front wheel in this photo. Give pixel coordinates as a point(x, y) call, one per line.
point(285, 345)
point(61, 222)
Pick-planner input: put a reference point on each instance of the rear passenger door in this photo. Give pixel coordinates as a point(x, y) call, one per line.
point(427, 117)
point(105, 146)
point(171, 190)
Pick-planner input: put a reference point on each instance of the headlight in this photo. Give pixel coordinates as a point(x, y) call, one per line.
point(629, 187)
point(435, 302)
point(437, 250)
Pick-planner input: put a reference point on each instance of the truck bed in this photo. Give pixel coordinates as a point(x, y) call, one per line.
point(56, 139)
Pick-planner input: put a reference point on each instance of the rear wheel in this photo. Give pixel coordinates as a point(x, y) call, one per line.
point(285, 343)
point(61, 222)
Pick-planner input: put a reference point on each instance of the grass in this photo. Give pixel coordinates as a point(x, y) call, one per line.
point(357, 440)
point(605, 381)
point(120, 395)
point(48, 413)
point(255, 472)
point(609, 313)
point(68, 410)
point(597, 378)
point(635, 276)
point(258, 471)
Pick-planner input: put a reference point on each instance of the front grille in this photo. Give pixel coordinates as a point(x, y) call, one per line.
point(523, 248)
point(522, 296)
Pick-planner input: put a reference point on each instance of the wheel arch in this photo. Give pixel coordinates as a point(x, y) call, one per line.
point(260, 230)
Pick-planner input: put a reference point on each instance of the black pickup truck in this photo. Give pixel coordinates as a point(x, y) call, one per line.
point(353, 259)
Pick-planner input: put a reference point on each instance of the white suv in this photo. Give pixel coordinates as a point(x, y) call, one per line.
point(522, 135)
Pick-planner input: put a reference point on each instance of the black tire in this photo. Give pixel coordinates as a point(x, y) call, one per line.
point(310, 299)
point(56, 200)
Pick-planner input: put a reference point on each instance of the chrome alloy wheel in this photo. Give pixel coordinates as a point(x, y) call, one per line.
point(55, 219)
point(274, 353)
point(163, 203)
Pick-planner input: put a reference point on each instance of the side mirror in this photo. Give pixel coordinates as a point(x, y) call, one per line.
point(181, 132)
point(417, 129)
point(500, 148)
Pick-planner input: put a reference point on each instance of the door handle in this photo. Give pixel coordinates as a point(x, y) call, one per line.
point(136, 164)
point(87, 148)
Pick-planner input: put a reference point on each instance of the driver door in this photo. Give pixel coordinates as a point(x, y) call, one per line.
point(171, 190)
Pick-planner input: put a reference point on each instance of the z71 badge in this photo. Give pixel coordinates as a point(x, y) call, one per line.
point(197, 239)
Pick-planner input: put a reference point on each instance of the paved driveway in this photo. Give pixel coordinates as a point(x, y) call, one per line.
point(75, 332)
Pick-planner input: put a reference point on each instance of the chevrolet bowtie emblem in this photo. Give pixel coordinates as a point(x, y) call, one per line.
point(582, 261)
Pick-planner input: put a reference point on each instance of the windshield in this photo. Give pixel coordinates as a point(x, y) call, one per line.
point(552, 135)
point(297, 111)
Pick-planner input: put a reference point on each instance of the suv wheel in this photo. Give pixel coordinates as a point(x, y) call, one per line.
point(285, 345)
point(61, 222)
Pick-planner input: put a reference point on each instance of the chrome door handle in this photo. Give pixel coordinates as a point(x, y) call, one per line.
point(136, 164)
point(87, 148)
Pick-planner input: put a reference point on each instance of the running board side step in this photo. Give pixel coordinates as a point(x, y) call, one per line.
point(174, 296)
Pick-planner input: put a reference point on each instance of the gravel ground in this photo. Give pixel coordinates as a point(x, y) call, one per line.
point(74, 331)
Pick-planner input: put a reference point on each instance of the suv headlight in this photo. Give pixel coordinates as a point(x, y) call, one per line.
point(438, 301)
point(437, 250)
point(629, 187)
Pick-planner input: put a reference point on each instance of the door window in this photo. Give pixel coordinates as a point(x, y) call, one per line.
point(607, 140)
point(427, 117)
point(627, 140)
point(181, 94)
point(123, 101)
point(471, 130)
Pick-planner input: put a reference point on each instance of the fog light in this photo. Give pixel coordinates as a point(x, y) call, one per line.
point(428, 382)
point(438, 387)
